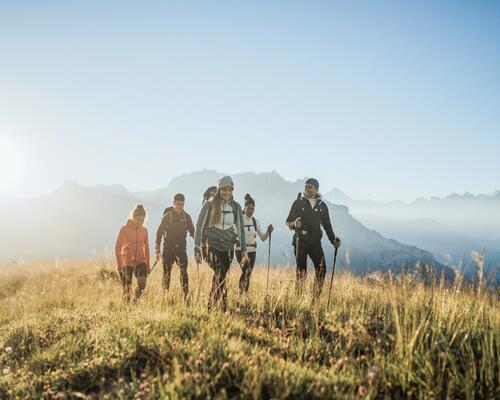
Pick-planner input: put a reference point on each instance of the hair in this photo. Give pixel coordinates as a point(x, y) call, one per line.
point(138, 211)
point(179, 197)
point(216, 202)
point(249, 200)
point(206, 195)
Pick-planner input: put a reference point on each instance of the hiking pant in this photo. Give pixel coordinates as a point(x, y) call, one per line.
point(169, 258)
point(141, 272)
point(246, 270)
point(219, 261)
point(302, 250)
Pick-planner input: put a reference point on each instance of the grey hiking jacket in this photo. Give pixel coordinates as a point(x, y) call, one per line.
point(227, 233)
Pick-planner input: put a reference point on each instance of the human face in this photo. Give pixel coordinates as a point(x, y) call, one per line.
point(226, 193)
point(138, 220)
point(310, 191)
point(249, 210)
point(178, 206)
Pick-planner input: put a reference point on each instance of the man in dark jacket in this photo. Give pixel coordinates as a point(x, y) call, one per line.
point(307, 214)
point(175, 225)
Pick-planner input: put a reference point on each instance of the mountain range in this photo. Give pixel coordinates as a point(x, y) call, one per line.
point(80, 221)
point(450, 227)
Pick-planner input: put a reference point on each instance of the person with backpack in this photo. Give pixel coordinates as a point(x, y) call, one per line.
point(307, 214)
point(132, 253)
point(220, 225)
point(173, 229)
point(252, 229)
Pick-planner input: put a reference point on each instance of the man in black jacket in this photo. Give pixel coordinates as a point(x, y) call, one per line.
point(175, 225)
point(307, 214)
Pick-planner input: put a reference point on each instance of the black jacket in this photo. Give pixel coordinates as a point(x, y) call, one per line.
point(173, 229)
point(312, 218)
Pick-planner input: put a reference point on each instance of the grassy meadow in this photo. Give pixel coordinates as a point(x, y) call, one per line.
point(65, 333)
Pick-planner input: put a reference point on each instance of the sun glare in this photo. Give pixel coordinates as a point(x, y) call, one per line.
point(11, 164)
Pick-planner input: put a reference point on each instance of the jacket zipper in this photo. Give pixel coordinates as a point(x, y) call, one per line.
point(223, 216)
point(136, 244)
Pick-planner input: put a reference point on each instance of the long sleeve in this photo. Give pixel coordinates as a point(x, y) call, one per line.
point(327, 225)
point(263, 236)
point(200, 224)
point(118, 247)
point(241, 229)
point(160, 231)
point(293, 215)
point(146, 249)
point(190, 225)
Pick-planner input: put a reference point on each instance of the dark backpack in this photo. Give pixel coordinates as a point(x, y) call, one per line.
point(169, 211)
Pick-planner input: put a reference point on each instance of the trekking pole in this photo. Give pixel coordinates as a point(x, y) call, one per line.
point(153, 267)
point(268, 261)
point(198, 279)
point(333, 272)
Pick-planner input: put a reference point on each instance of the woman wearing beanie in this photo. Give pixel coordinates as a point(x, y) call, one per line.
point(132, 253)
point(252, 229)
point(220, 224)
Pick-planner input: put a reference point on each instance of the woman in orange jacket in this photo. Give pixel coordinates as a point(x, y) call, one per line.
point(132, 253)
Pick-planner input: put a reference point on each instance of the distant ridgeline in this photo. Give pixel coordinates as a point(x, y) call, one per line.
point(78, 222)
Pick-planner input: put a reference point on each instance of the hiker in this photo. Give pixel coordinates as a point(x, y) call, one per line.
point(252, 229)
point(307, 214)
point(132, 253)
point(207, 196)
point(174, 226)
point(220, 224)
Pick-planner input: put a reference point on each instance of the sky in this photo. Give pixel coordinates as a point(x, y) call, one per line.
point(384, 100)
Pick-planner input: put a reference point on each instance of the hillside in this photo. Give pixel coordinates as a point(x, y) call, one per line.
point(79, 221)
point(64, 333)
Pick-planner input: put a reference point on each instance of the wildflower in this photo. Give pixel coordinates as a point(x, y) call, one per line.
point(372, 373)
point(225, 365)
point(362, 391)
point(6, 370)
point(8, 349)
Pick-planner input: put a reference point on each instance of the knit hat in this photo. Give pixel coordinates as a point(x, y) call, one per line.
point(313, 182)
point(224, 182)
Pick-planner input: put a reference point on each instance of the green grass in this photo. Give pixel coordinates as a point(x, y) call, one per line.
point(64, 333)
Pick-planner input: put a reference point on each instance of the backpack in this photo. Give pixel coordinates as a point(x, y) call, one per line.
point(169, 211)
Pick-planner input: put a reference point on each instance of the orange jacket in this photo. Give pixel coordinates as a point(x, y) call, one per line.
point(132, 246)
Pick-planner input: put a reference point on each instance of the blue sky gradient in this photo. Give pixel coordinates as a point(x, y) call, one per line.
point(384, 100)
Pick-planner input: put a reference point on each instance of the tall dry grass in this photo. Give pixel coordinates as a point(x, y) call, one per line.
point(64, 333)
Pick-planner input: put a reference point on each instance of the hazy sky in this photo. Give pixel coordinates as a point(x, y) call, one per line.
point(382, 99)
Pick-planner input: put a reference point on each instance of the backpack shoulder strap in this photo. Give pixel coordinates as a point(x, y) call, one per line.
point(236, 214)
point(254, 221)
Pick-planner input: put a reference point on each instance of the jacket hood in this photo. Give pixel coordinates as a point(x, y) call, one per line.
point(131, 224)
point(303, 196)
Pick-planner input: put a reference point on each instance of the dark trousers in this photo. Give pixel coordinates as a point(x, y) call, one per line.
point(246, 270)
point(219, 261)
point(169, 258)
point(304, 249)
point(126, 273)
